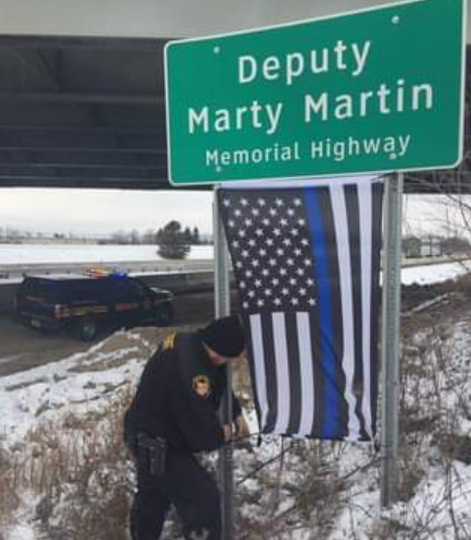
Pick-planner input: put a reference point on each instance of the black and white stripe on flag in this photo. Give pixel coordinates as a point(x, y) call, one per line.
point(306, 261)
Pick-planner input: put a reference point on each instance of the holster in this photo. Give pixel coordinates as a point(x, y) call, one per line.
point(152, 453)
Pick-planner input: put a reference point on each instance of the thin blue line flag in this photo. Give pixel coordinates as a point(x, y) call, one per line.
point(306, 258)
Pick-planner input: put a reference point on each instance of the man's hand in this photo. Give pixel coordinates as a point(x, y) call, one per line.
point(227, 432)
point(243, 430)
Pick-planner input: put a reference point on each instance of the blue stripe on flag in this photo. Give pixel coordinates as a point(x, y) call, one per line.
point(330, 407)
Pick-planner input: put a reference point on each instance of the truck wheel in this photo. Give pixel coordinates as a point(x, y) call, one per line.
point(86, 329)
point(164, 315)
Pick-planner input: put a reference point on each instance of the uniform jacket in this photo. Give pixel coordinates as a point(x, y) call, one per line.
point(178, 396)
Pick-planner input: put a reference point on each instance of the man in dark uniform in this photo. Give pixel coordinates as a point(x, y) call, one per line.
point(172, 416)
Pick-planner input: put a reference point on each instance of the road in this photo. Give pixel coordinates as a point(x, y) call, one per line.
point(23, 348)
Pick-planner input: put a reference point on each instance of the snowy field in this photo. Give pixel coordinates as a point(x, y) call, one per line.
point(87, 383)
point(434, 273)
point(85, 253)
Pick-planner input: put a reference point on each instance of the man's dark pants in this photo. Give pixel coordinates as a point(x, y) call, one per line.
point(186, 485)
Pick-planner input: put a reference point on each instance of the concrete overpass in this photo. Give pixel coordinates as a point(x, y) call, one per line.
point(82, 84)
point(161, 18)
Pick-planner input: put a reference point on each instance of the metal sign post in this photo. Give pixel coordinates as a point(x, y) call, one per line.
point(221, 309)
point(390, 336)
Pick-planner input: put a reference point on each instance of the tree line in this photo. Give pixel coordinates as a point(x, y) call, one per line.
point(174, 241)
point(188, 235)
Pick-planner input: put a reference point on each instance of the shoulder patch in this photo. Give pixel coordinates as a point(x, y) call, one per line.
point(202, 386)
point(169, 342)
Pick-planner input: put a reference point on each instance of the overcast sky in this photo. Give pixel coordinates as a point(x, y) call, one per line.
point(105, 211)
point(102, 211)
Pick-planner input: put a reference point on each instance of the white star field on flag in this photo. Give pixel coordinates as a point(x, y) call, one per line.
point(270, 244)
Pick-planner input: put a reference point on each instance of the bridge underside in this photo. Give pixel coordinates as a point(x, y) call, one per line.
point(90, 113)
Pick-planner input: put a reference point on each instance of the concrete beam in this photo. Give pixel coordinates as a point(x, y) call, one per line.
point(160, 18)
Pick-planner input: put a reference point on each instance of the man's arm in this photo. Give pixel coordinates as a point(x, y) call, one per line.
point(198, 422)
point(242, 428)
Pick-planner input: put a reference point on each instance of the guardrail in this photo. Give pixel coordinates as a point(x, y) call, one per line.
point(18, 271)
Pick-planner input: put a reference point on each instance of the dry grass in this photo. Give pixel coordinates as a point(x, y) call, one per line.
point(9, 499)
point(79, 468)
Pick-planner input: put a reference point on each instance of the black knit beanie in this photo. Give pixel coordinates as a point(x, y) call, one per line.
point(225, 336)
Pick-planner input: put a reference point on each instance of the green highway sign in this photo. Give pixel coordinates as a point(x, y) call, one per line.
point(372, 91)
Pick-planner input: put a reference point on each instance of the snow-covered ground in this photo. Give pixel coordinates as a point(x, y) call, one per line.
point(86, 253)
point(85, 383)
point(45, 392)
point(434, 273)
